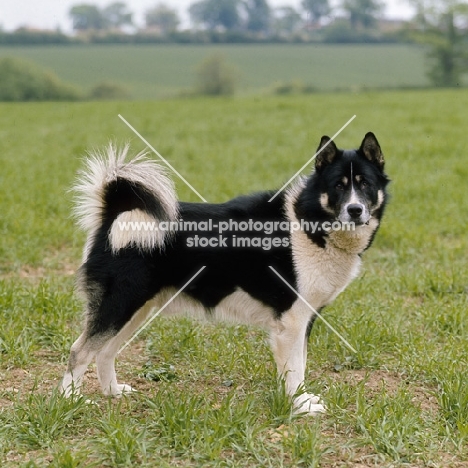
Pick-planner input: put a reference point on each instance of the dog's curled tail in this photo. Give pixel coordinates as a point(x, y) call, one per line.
point(129, 200)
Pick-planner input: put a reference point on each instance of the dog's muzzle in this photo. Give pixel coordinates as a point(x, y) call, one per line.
point(355, 213)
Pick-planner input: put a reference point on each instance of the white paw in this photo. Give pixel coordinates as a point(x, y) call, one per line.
point(308, 404)
point(68, 391)
point(91, 402)
point(69, 387)
point(118, 390)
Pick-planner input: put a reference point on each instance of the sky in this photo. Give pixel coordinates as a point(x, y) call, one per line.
point(50, 14)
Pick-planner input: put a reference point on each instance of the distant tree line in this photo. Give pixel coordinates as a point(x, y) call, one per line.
point(256, 17)
point(221, 21)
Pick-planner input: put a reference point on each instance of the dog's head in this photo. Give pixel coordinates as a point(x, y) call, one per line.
point(352, 182)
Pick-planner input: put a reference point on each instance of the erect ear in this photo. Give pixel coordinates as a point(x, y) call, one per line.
point(371, 150)
point(326, 153)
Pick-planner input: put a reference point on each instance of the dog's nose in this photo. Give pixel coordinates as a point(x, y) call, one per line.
point(355, 210)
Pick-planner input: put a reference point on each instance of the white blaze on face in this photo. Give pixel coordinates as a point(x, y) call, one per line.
point(350, 209)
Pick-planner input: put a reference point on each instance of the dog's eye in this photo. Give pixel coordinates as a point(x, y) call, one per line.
point(339, 186)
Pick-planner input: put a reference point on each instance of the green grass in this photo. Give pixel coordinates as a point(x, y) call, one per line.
point(209, 395)
point(154, 71)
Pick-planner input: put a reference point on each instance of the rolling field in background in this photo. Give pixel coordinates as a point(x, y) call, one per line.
point(158, 71)
point(208, 394)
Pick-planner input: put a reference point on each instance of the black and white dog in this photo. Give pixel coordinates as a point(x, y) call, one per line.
point(258, 251)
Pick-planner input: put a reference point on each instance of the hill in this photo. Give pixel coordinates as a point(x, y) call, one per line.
point(161, 71)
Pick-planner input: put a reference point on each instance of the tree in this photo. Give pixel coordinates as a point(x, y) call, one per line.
point(162, 18)
point(317, 9)
point(362, 12)
point(85, 17)
point(214, 14)
point(287, 21)
point(258, 15)
point(117, 15)
point(216, 77)
point(442, 25)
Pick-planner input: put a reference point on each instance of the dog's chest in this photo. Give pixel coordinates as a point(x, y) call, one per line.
point(322, 273)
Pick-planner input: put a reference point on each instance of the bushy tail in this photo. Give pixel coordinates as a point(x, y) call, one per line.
point(128, 199)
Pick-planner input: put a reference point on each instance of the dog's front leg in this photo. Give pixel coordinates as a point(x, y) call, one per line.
point(289, 345)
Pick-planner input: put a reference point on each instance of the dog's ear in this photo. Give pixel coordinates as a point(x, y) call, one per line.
point(371, 149)
point(326, 153)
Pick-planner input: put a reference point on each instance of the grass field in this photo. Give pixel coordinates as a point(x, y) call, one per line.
point(208, 394)
point(156, 71)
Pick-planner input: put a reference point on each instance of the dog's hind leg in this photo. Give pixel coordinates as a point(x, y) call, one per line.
point(105, 358)
point(82, 353)
point(289, 345)
point(85, 348)
point(113, 314)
